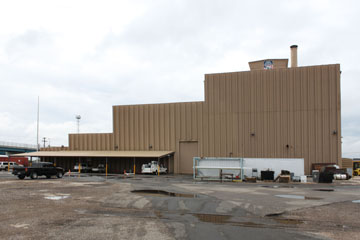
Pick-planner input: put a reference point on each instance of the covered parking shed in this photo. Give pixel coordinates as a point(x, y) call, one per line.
point(118, 161)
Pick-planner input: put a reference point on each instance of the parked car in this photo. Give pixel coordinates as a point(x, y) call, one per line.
point(38, 169)
point(153, 168)
point(99, 169)
point(84, 167)
point(6, 165)
point(2, 165)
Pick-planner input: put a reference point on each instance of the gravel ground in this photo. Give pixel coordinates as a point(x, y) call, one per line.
point(95, 208)
point(334, 221)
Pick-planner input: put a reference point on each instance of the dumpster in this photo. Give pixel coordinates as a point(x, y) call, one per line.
point(315, 175)
point(267, 175)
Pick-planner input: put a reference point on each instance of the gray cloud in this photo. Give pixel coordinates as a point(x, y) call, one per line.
point(82, 66)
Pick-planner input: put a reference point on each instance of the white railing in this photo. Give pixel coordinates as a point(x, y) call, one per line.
point(18, 145)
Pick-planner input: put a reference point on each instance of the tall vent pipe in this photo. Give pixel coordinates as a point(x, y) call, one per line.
point(294, 60)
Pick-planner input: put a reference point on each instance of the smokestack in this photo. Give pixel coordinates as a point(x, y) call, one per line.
point(294, 60)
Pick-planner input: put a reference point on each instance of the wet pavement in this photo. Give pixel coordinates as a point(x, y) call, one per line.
point(175, 207)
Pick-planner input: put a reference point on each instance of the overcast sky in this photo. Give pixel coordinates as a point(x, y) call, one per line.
point(82, 57)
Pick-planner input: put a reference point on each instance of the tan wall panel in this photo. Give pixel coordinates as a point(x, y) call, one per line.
point(160, 125)
point(297, 107)
point(91, 141)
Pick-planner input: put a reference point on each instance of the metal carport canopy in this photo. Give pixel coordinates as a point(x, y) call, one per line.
point(150, 154)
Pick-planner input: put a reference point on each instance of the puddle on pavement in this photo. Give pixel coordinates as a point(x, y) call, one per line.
point(89, 184)
point(276, 186)
point(274, 214)
point(356, 201)
point(80, 211)
point(248, 224)
point(56, 197)
point(288, 221)
point(18, 225)
point(212, 218)
point(324, 190)
point(161, 193)
point(224, 219)
point(300, 197)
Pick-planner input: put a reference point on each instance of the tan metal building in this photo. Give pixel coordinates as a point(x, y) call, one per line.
point(271, 111)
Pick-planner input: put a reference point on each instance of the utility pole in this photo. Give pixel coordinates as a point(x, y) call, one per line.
point(44, 141)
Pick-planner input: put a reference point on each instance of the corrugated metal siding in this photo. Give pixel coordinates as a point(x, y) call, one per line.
point(91, 141)
point(298, 107)
point(161, 126)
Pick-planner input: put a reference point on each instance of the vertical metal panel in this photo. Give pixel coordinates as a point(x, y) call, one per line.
point(156, 128)
point(141, 136)
point(172, 127)
point(162, 126)
point(151, 127)
point(338, 112)
point(166, 127)
point(136, 124)
point(145, 128)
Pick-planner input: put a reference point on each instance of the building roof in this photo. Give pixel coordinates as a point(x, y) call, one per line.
point(96, 154)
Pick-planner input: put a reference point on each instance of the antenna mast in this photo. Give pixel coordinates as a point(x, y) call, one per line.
point(37, 129)
point(78, 117)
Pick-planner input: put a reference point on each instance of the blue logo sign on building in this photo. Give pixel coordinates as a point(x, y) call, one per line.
point(268, 64)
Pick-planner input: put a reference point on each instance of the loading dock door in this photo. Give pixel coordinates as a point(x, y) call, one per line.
point(188, 150)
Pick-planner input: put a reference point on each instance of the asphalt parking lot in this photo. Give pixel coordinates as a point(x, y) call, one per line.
point(175, 207)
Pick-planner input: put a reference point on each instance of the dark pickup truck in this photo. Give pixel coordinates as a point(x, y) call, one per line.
point(38, 169)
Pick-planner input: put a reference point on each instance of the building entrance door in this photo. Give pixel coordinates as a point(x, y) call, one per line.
point(188, 150)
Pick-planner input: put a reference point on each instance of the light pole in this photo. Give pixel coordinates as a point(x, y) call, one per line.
point(78, 117)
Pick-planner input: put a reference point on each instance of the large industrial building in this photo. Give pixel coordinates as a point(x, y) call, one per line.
point(271, 111)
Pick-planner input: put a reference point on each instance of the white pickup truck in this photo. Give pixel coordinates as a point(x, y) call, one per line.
point(153, 168)
point(84, 167)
